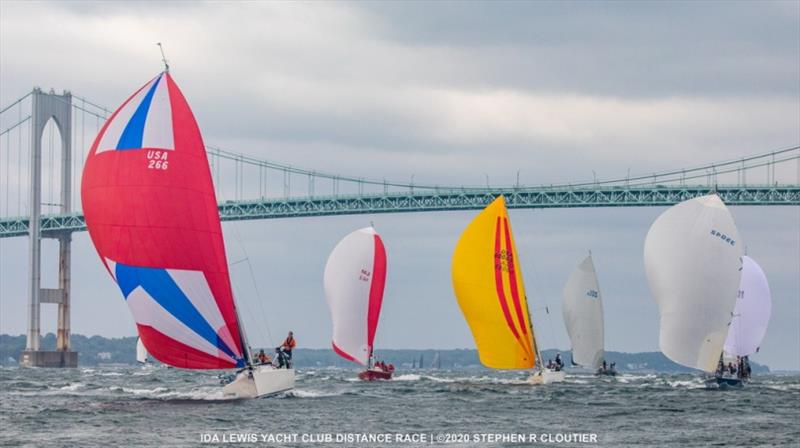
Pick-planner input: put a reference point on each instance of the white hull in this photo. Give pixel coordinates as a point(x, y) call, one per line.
point(547, 377)
point(264, 381)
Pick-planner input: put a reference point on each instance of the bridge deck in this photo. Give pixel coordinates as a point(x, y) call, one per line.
point(444, 200)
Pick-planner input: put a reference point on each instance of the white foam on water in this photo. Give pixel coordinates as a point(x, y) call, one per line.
point(779, 387)
point(308, 393)
point(439, 380)
point(163, 393)
point(130, 390)
point(72, 386)
point(687, 384)
point(408, 377)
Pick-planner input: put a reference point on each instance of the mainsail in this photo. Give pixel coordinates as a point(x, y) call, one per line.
point(488, 285)
point(582, 306)
point(692, 257)
point(141, 352)
point(152, 215)
point(354, 279)
point(751, 315)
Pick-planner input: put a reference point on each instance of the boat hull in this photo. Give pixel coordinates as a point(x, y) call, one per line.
point(547, 377)
point(724, 383)
point(601, 372)
point(263, 382)
point(374, 375)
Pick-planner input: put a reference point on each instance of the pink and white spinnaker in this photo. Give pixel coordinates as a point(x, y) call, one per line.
point(355, 275)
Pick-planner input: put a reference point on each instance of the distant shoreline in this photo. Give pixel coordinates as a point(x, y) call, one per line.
point(99, 350)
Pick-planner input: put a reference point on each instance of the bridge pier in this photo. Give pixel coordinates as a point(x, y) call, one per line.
point(46, 106)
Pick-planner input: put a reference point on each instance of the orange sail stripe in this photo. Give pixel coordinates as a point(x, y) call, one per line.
point(498, 278)
point(512, 277)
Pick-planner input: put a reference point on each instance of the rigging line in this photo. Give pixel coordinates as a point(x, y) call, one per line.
point(237, 293)
point(264, 315)
point(536, 282)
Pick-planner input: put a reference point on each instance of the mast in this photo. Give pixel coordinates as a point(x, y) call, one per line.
point(602, 313)
point(243, 337)
point(533, 336)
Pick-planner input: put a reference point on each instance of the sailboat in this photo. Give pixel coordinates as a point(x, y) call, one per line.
point(354, 279)
point(141, 352)
point(692, 258)
point(582, 306)
point(488, 286)
point(750, 318)
point(437, 362)
point(151, 212)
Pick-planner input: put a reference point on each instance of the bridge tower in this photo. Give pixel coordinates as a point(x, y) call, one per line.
point(44, 107)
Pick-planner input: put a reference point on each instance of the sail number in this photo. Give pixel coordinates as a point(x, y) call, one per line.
point(364, 275)
point(157, 160)
point(723, 237)
point(503, 261)
point(592, 293)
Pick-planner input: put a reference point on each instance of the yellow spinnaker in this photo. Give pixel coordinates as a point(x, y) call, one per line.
point(487, 281)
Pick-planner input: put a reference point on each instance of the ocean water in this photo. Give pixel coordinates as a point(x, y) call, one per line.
point(156, 407)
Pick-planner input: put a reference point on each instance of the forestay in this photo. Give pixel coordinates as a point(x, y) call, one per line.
point(751, 314)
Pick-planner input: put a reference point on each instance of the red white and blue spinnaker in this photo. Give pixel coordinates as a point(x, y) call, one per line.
point(152, 214)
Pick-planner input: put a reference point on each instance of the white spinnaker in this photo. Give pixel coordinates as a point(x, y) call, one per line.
point(752, 311)
point(347, 292)
point(141, 352)
point(692, 257)
point(582, 306)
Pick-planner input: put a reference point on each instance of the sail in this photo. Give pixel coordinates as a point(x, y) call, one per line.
point(141, 352)
point(692, 256)
point(752, 311)
point(487, 281)
point(354, 279)
point(152, 215)
point(582, 305)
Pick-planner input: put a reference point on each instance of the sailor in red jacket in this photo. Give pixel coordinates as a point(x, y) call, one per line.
point(286, 350)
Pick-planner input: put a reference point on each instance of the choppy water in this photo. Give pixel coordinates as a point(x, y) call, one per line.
point(168, 407)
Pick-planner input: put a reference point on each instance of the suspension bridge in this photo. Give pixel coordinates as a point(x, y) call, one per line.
point(45, 137)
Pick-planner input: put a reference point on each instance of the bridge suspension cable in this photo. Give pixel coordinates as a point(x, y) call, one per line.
point(246, 179)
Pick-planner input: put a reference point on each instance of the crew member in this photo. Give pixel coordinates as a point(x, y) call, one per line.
point(286, 349)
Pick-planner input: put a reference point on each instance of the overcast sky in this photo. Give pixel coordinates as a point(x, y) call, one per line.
point(451, 93)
